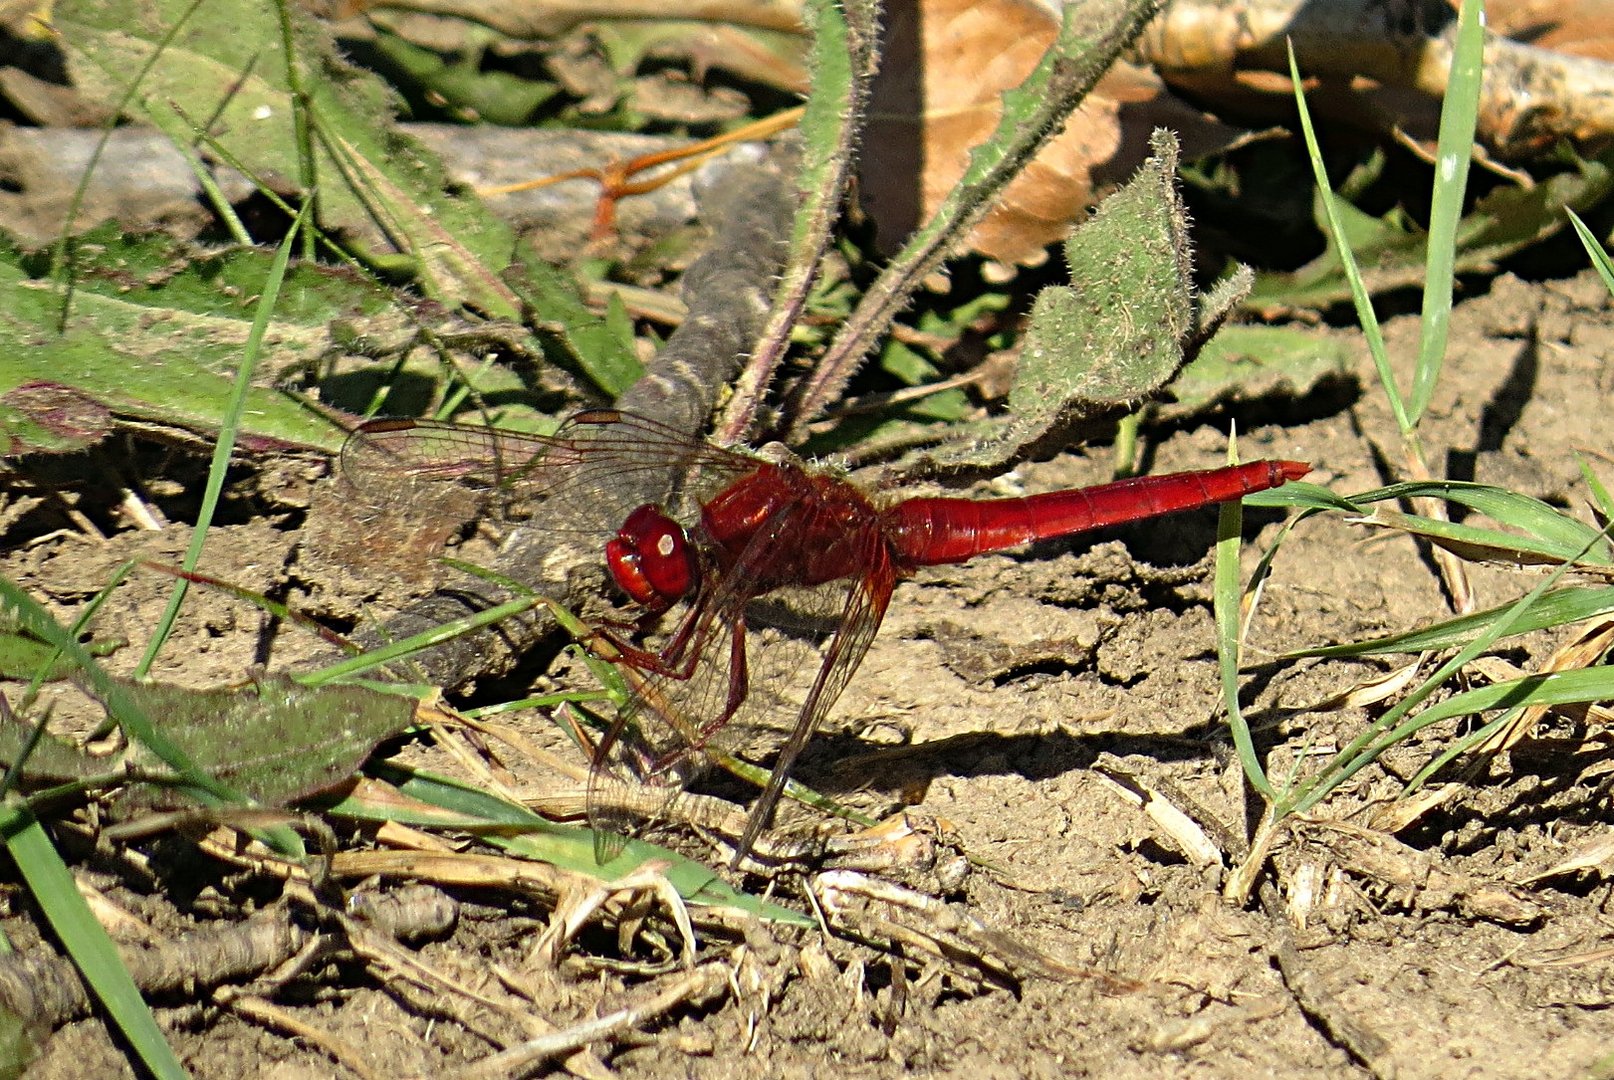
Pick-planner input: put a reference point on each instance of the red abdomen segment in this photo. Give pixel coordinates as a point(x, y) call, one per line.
point(928, 532)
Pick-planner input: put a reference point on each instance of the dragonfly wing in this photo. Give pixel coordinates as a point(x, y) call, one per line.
point(866, 601)
point(410, 463)
point(625, 461)
point(709, 692)
point(654, 747)
point(596, 468)
point(703, 692)
point(684, 697)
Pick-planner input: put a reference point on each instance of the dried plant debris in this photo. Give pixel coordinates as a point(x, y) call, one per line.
point(1415, 880)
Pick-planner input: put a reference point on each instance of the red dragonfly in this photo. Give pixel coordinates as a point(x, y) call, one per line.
point(743, 532)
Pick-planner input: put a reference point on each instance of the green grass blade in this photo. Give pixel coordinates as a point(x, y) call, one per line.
point(58, 659)
point(1367, 747)
point(1456, 750)
point(1454, 149)
point(528, 835)
point(1226, 602)
point(1304, 495)
point(85, 940)
point(1551, 526)
point(541, 701)
point(19, 606)
point(1553, 688)
point(1599, 257)
point(406, 647)
point(210, 189)
point(1605, 503)
point(793, 790)
point(1481, 544)
point(1353, 273)
point(58, 259)
point(302, 134)
point(1546, 529)
point(1556, 608)
point(225, 444)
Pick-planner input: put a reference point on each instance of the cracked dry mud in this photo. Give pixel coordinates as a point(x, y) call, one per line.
point(1031, 681)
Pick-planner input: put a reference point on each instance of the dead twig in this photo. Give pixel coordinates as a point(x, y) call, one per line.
point(696, 987)
point(1316, 1000)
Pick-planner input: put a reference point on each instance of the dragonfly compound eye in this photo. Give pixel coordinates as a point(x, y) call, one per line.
point(650, 558)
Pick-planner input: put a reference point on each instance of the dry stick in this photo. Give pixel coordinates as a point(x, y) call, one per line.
point(269, 1015)
point(1316, 1001)
point(727, 292)
point(696, 986)
point(46, 990)
point(1531, 97)
point(827, 171)
point(142, 168)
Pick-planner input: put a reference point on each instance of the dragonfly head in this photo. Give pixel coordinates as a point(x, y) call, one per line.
point(651, 559)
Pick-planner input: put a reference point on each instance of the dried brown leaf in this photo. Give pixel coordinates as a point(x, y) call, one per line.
point(945, 65)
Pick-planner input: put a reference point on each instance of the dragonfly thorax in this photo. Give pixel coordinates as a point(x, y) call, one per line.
point(651, 559)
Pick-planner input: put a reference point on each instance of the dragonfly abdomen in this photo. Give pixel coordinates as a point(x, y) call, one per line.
point(933, 531)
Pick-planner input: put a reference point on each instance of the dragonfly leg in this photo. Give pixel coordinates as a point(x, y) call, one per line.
point(739, 688)
point(739, 683)
point(739, 678)
point(651, 662)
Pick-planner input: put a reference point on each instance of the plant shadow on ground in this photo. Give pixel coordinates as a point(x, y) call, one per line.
point(1015, 754)
point(1038, 709)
